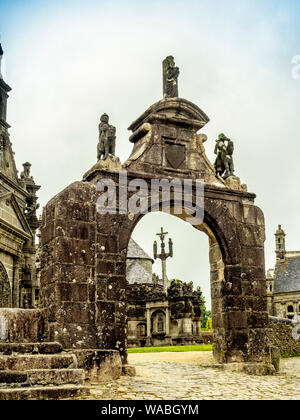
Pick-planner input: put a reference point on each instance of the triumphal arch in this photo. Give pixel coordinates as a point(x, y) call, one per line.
point(86, 229)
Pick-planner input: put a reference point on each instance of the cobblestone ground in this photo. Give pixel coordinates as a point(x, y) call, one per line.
point(180, 376)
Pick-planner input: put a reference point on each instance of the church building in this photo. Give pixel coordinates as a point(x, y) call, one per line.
point(283, 282)
point(18, 220)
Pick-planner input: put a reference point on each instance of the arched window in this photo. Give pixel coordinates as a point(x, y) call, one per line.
point(160, 323)
point(290, 308)
point(141, 330)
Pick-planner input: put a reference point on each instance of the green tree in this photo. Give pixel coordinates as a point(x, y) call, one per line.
point(205, 315)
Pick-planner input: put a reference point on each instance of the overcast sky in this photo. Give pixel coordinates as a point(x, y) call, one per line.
point(69, 61)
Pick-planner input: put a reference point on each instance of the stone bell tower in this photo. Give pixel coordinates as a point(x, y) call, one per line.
point(280, 243)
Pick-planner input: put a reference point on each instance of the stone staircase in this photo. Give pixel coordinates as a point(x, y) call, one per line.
point(39, 371)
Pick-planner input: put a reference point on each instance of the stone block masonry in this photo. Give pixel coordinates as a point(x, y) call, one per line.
point(281, 335)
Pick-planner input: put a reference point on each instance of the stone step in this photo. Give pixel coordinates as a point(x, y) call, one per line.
point(33, 348)
point(12, 378)
point(44, 392)
point(22, 362)
point(56, 376)
point(41, 377)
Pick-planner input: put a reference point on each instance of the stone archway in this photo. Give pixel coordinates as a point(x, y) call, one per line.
point(5, 292)
point(237, 280)
point(83, 263)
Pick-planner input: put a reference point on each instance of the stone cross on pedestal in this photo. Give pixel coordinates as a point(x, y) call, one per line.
point(163, 255)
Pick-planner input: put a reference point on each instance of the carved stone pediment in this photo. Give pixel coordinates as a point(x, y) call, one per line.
point(12, 217)
point(166, 142)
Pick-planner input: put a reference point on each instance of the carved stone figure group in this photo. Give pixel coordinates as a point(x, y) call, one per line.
point(224, 162)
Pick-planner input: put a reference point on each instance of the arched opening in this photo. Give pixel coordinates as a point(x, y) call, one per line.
point(158, 322)
point(141, 330)
point(5, 291)
point(290, 312)
point(198, 259)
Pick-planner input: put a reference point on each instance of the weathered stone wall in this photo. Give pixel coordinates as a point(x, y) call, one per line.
point(67, 267)
point(23, 325)
point(280, 335)
point(83, 271)
point(99, 365)
point(8, 262)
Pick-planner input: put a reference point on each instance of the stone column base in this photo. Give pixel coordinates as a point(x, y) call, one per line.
point(99, 365)
point(128, 370)
point(259, 369)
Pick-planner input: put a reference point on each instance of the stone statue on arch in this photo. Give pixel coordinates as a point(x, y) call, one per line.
point(170, 78)
point(224, 165)
point(107, 138)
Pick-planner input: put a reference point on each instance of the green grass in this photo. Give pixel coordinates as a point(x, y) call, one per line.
point(200, 347)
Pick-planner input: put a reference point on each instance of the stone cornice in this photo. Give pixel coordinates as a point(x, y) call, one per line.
point(14, 231)
point(175, 110)
point(210, 191)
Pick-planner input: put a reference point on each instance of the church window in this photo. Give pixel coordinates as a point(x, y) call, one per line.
point(160, 323)
point(141, 330)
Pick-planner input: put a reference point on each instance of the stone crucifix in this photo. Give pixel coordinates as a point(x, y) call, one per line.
point(163, 255)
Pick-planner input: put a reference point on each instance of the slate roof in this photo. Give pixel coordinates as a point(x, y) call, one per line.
point(287, 276)
point(136, 273)
point(136, 252)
